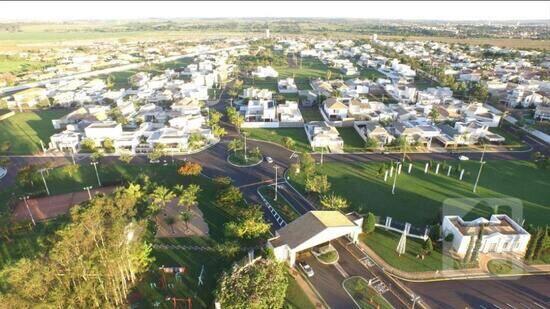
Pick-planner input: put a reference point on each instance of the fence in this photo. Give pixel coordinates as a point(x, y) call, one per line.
point(397, 226)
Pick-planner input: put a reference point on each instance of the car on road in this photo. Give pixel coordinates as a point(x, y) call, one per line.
point(154, 161)
point(463, 158)
point(269, 159)
point(307, 269)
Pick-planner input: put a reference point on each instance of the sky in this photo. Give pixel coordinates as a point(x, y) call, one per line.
point(413, 10)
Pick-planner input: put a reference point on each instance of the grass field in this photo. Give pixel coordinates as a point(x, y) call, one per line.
point(352, 141)
point(277, 135)
point(371, 74)
point(384, 243)
point(311, 114)
point(17, 65)
point(285, 210)
point(503, 267)
point(419, 197)
point(25, 130)
point(295, 296)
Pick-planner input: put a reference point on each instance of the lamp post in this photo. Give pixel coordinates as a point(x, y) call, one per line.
point(481, 162)
point(72, 156)
point(395, 178)
point(276, 167)
point(25, 198)
point(245, 156)
point(89, 193)
point(96, 173)
point(42, 170)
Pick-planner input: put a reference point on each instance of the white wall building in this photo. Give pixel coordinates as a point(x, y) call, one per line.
point(500, 234)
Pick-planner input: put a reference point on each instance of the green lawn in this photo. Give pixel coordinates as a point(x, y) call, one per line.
point(311, 114)
point(384, 244)
point(267, 83)
point(277, 135)
point(238, 158)
point(16, 65)
point(352, 141)
point(23, 131)
point(419, 197)
point(503, 267)
point(285, 210)
point(364, 295)
point(511, 139)
point(422, 83)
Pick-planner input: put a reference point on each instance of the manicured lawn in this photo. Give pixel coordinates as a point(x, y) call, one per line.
point(284, 209)
point(503, 267)
point(364, 295)
point(512, 139)
point(311, 114)
point(267, 83)
point(352, 141)
point(419, 197)
point(295, 297)
point(329, 257)
point(422, 83)
point(384, 244)
point(25, 130)
point(277, 135)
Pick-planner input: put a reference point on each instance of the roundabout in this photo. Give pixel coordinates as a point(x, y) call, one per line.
point(240, 160)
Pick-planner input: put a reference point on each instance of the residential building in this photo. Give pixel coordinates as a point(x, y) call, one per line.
point(265, 72)
point(322, 135)
point(287, 85)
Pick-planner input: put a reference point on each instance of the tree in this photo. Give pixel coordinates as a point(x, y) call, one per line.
point(372, 143)
point(218, 131)
point(170, 222)
point(235, 118)
point(5, 224)
point(318, 184)
point(126, 157)
point(109, 145)
point(195, 140)
point(157, 153)
point(94, 261)
point(434, 114)
point(427, 247)
point(110, 82)
point(250, 225)
point(215, 118)
point(536, 234)
point(480, 92)
point(256, 153)
point(190, 169)
point(369, 223)
point(333, 202)
point(307, 164)
point(261, 285)
point(230, 197)
point(97, 155)
point(188, 197)
point(539, 246)
point(235, 145)
point(477, 246)
point(288, 142)
point(185, 217)
point(87, 144)
point(159, 198)
point(27, 175)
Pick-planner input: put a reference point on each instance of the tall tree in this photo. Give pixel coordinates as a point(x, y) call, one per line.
point(159, 198)
point(334, 202)
point(369, 223)
point(260, 285)
point(250, 225)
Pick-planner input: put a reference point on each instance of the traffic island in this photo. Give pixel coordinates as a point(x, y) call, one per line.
point(238, 158)
point(364, 295)
point(326, 254)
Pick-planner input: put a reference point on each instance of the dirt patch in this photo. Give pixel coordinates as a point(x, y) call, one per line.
point(52, 206)
point(196, 227)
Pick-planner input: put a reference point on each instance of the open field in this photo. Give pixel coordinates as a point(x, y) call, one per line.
point(510, 43)
point(352, 141)
point(311, 114)
point(25, 130)
point(419, 197)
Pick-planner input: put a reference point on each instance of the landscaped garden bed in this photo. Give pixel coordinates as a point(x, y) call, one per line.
point(238, 158)
point(364, 295)
point(285, 210)
point(503, 267)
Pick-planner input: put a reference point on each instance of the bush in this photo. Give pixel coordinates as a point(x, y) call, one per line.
point(190, 169)
point(450, 237)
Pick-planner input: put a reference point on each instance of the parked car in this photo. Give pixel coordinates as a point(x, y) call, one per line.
point(269, 159)
point(307, 269)
point(463, 158)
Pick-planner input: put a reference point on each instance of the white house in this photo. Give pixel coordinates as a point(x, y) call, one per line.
point(542, 112)
point(259, 110)
point(321, 134)
point(335, 109)
point(313, 229)
point(500, 234)
point(373, 130)
point(255, 93)
point(264, 72)
point(287, 85)
point(66, 140)
point(99, 131)
point(289, 112)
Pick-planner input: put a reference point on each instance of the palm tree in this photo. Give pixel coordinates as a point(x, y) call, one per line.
point(160, 197)
point(188, 197)
point(234, 145)
point(170, 221)
point(186, 216)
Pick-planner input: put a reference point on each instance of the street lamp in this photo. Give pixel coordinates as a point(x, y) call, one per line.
point(481, 162)
point(397, 167)
point(89, 193)
point(96, 173)
point(25, 198)
point(276, 167)
point(42, 170)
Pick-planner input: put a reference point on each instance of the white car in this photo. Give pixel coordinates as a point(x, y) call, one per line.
point(463, 158)
point(307, 269)
point(269, 159)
